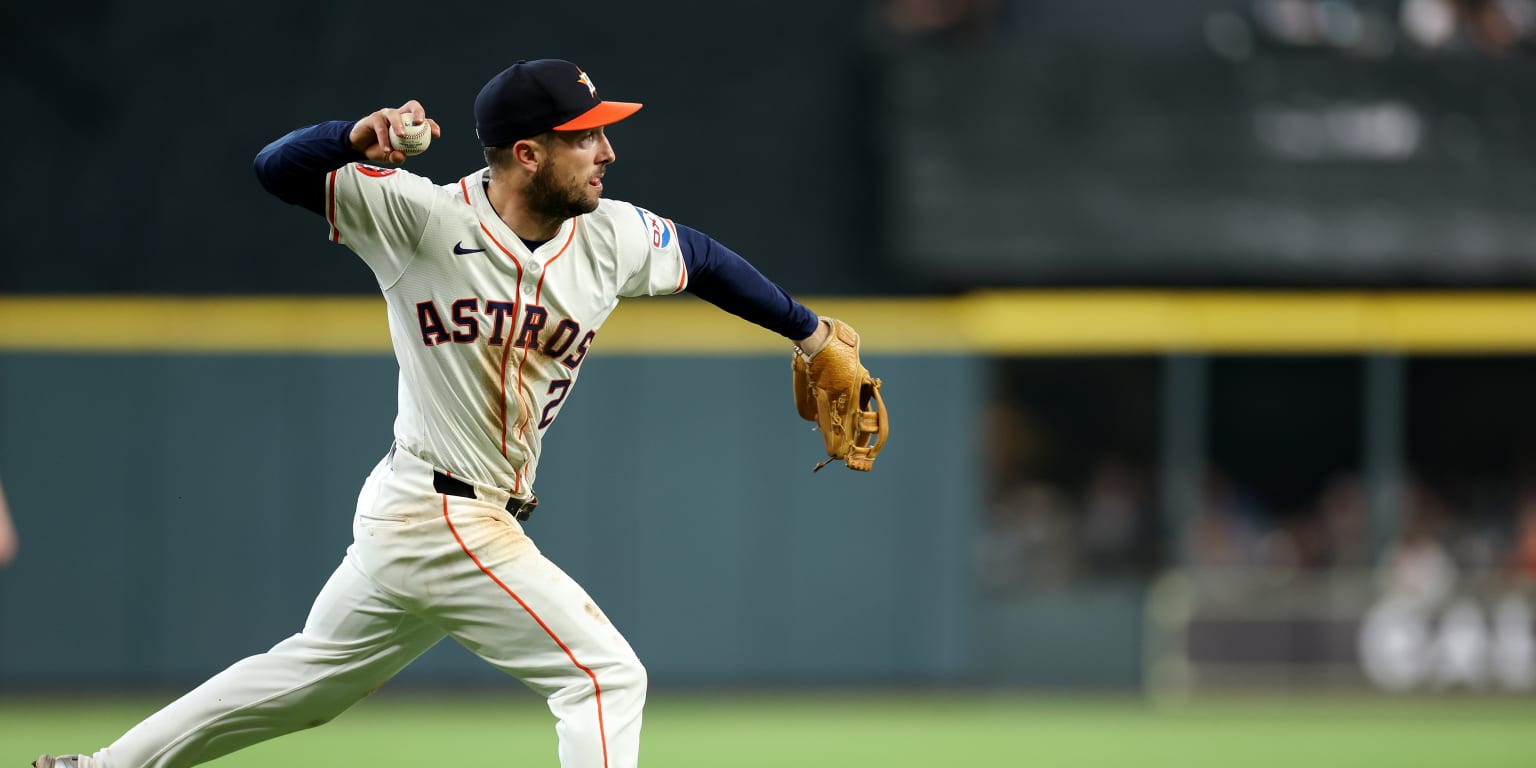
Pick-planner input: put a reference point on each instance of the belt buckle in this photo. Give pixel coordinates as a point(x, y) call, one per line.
point(522, 510)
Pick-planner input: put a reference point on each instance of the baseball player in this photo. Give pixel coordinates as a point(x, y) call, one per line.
point(497, 286)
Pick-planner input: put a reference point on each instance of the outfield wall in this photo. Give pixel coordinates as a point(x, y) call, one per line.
point(183, 470)
point(179, 511)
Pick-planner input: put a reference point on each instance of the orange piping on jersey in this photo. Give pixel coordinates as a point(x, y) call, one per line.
point(517, 303)
point(538, 297)
point(330, 215)
point(523, 403)
point(504, 250)
point(538, 293)
point(682, 282)
point(506, 351)
point(597, 690)
point(526, 411)
point(464, 186)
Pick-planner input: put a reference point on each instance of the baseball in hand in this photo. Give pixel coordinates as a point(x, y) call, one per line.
point(417, 136)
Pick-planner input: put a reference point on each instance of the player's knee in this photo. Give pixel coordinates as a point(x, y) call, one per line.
point(622, 676)
point(628, 675)
point(642, 677)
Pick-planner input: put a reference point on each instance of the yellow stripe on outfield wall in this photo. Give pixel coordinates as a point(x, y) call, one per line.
point(1002, 322)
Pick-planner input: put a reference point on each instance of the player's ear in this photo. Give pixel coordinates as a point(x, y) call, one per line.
point(528, 154)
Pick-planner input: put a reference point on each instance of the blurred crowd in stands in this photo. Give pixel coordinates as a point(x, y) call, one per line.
point(1383, 27)
point(1041, 535)
point(1061, 515)
point(1373, 28)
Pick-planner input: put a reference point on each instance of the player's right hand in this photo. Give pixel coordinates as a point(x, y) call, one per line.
point(370, 135)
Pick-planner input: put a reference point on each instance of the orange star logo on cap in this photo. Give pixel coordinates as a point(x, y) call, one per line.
point(587, 81)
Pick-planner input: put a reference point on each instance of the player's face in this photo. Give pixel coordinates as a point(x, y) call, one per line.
point(570, 182)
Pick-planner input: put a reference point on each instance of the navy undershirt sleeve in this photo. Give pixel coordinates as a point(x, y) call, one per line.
point(293, 168)
point(719, 276)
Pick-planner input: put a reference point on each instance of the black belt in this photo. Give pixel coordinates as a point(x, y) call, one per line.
point(520, 509)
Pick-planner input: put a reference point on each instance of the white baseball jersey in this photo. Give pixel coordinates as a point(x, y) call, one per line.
point(490, 336)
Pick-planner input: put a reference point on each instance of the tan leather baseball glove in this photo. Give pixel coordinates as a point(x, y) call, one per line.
point(834, 390)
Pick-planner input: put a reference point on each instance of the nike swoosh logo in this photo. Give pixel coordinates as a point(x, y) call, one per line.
point(461, 250)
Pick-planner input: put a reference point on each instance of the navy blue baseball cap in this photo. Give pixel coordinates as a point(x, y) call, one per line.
point(531, 97)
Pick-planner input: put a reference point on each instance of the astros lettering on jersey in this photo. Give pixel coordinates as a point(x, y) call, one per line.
point(490, 335)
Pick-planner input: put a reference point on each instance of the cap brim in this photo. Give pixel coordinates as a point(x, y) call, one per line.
point(605, 113)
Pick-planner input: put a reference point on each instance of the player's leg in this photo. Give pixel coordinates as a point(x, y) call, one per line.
point(354, 640)
point(519, 611)
point(357, 636)
point(493, 591)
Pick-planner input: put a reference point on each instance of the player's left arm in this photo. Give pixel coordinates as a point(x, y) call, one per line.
point(723, 278)
point(832, 387)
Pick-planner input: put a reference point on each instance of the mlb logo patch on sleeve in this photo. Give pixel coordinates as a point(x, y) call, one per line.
point(659, 228)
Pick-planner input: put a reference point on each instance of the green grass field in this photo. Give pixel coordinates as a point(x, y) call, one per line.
point(876, 729)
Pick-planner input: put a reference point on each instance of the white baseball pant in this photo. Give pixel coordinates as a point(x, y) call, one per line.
point(422, 565)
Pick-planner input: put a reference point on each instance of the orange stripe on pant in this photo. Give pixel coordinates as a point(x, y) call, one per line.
point(597, 689)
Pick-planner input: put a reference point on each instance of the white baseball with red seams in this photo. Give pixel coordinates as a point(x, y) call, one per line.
point(416, 138)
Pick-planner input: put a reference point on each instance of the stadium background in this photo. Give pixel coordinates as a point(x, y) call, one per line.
point(1207, 328)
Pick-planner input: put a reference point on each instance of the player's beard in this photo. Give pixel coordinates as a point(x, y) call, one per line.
point(547, 196)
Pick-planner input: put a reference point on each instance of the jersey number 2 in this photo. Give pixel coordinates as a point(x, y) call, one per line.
point(558, 388)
